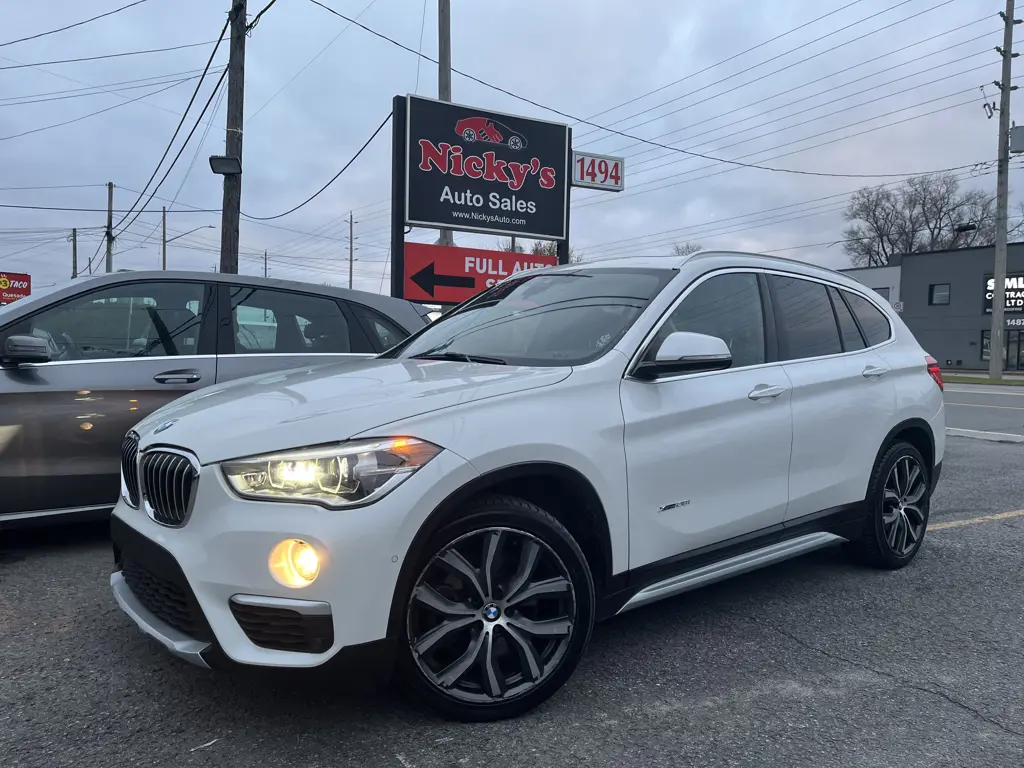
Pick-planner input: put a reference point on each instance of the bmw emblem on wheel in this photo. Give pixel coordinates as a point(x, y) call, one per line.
point(165, 426)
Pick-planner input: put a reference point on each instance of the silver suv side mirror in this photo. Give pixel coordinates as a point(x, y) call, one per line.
point(26, 349)
point(685, 352)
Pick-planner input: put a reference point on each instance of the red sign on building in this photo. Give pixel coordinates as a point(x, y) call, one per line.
point(14, 286)
point(437, 274)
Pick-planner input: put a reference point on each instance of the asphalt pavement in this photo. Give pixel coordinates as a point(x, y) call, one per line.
point(994, 410)
point(816, 662)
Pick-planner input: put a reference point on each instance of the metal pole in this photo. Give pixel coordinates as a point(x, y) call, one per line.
point(996, 343)
point(232, 206)
point(163, 249)
point(110, 227)
point(74, 253)
point(444, 74)
point(351, 248)
point(264, 263)
point(397, 255)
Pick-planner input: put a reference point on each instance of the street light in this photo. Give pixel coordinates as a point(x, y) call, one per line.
point(208, 226)
point(225, 165)
point(163, 250)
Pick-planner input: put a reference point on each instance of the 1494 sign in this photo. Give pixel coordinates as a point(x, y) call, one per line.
point(482, 171)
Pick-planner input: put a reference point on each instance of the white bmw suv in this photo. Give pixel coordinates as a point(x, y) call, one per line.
point(573, 443)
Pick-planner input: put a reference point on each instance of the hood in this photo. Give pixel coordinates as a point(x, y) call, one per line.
point(310, 406)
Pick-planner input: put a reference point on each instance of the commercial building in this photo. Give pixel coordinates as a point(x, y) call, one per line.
point(945, 298)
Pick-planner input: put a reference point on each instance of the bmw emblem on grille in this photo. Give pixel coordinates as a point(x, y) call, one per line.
point(165, 426)
point(491, 612)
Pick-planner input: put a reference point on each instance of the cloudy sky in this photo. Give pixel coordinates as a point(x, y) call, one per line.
point(876, 86)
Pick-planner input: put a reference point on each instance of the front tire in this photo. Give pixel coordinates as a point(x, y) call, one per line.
point(899, 497)
point(500, 614)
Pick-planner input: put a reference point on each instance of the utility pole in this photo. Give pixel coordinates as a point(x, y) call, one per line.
point(444, 74)
point(232, 205)
point(351, 248)
point(996, 344)
point(264, 263)
point(110, 227)
point(163, 250)
point(74, 253)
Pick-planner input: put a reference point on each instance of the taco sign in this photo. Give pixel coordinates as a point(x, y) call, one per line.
point(14, 286)
point(480, 171)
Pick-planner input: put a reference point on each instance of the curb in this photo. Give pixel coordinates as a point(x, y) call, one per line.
point(992, 437)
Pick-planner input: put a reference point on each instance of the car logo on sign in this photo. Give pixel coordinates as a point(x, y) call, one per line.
point(165, 426)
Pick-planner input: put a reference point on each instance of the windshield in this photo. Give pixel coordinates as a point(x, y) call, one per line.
point(542, 319)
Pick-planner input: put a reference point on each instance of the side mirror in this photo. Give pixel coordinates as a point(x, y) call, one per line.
point(685, 352)
point(26, 349)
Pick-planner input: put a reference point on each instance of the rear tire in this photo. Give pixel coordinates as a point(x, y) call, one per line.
point(898, 501)
point(499, 615)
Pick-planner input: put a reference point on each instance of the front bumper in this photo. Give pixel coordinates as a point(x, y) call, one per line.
point(175, 641)
point(204, 590)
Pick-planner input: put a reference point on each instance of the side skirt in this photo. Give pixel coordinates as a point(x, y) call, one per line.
point(758, 549)
point(734, 566)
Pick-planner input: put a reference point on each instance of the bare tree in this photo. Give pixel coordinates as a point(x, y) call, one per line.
point(550, 248)
point(925, 213)
point(686, 249)
point(505, 244)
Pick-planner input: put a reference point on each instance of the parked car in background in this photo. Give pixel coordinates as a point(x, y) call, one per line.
point(83, 363)
point(576, 442)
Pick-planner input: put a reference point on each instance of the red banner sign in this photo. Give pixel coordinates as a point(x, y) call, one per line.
point(14, 286)
point(437, 274)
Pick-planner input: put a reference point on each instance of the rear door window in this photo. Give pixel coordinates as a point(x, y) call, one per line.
point(873, 322)
point(283, 322)
point(807, 324)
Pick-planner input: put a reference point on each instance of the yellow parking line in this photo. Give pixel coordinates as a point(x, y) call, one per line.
point(986, 405)
point(973, 520)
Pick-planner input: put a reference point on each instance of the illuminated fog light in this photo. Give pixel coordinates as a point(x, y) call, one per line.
point(294, 563)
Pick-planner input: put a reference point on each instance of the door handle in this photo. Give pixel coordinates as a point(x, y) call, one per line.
point(873, 372)
point(766, 392)
point(187, 376)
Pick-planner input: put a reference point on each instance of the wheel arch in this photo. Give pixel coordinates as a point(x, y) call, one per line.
point(562, 491)
point(918, 433)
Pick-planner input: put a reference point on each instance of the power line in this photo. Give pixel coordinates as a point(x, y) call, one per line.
point(184, 115)
point(52, 186)
point(325, 186)
point(95, 210)
point(748, 104)
point(568, 116)
point(107, 56)
point(634, 193)
point(180, 150)
point(829, 51)
point(72, 26)
point(723, 61)
point(423, 26)
point(307, 65)
point(93, 114)
point(256, 20)
point(112, 91)
point(833, 113)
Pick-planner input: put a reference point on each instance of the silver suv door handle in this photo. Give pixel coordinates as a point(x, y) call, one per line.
point(765, 392)
point(188, 376)
point(873, 372)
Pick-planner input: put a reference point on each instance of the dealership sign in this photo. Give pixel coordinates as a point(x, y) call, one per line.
point(14, 286)
point(438, 274)
point(481, 171)
point(1014, 293)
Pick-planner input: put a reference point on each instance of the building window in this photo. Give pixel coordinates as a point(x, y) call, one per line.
point(938, 294)
point(986, 343)
point(883, 292)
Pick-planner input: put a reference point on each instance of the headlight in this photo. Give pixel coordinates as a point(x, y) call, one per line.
point(340, 475)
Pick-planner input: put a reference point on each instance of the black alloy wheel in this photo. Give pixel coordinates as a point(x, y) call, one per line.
point(499, 615)
point(899, 497)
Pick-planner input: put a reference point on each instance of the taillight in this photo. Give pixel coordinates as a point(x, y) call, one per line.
point(934, 371)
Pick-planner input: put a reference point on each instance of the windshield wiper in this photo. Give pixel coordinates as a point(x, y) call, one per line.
point(459, 357)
